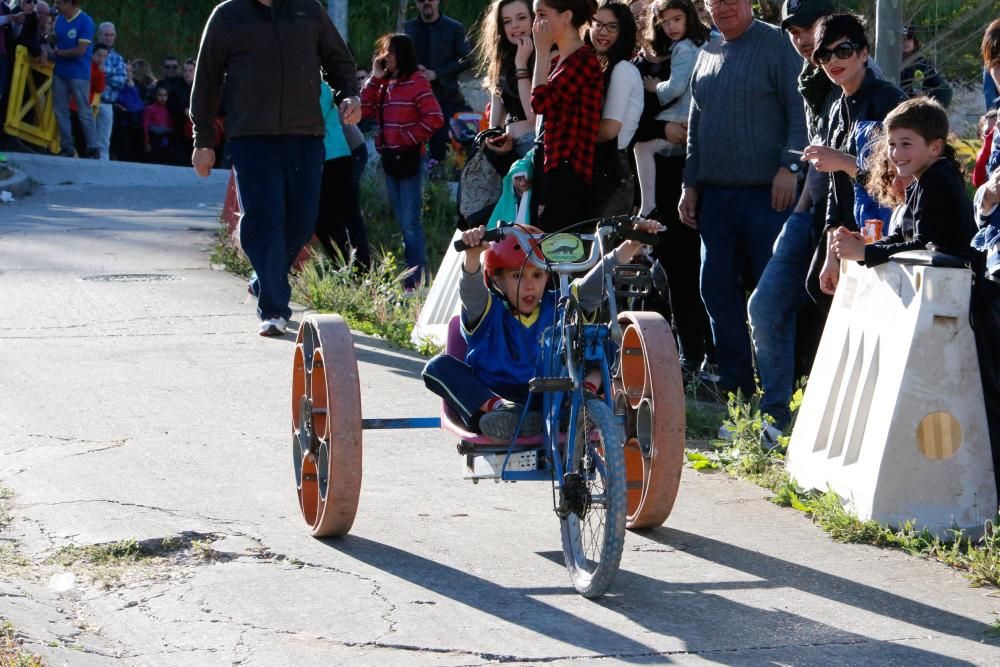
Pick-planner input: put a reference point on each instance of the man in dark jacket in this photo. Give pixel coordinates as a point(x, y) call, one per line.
point(443, 52)
point(264, 60)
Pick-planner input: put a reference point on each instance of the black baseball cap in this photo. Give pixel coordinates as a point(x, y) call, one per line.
point(803, 13)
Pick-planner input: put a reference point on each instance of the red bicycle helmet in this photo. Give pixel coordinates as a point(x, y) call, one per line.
point(508, 253)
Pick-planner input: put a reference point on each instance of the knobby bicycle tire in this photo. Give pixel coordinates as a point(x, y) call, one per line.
point(592, 544)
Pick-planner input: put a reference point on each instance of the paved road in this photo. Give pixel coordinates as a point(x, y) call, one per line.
point(149, 409)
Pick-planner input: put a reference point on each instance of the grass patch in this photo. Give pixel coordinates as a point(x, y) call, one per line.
point(743, 457)
point(108, 563)
point(12, 653)
point(375, 302)
point(227, 255)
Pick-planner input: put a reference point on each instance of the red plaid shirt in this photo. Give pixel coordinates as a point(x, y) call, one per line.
point(570, 104)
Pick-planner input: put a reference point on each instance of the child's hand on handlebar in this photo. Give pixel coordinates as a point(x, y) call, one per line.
point(629, 249)
point(474, 247)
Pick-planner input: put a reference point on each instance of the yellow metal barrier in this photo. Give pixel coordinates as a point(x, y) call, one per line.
point(30, 115)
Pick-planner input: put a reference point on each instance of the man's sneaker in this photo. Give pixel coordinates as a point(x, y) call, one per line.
point(273, 327)
point(769, 437)
point(500, 423)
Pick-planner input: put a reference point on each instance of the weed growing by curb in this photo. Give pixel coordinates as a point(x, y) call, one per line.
point(12, 653)
point(226, 254)
point(744, 457)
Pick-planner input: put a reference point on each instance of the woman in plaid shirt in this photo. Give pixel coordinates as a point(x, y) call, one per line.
point(569, 98)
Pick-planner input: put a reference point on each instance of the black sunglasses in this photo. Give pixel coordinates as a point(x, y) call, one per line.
point(842, 51)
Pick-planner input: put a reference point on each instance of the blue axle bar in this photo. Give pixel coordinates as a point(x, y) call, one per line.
point(402, 422)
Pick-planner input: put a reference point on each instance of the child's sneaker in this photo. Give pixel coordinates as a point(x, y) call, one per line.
point(273, 327)
point(500, 423)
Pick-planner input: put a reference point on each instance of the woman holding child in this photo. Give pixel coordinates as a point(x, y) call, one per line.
point(842, 51)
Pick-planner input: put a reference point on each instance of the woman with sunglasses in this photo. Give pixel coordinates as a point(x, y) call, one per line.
point(842, 51)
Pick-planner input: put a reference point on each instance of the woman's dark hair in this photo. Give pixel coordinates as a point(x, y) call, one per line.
point(840, 26)
point(657, 40)
point(926, 117)
point(624, 46)
point(401, 45)
point(494, 52)
point(583, 10)
point(991, 43)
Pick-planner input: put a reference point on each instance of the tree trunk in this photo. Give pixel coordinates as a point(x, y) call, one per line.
point(889, 37)
point(401, 15)
point(338, 14)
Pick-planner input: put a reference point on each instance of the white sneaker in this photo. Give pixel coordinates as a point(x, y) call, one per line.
point(769, 437)
point(273, 327)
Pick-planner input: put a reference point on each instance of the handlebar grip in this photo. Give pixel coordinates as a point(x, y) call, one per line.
point(643, 237)
point(495, 234)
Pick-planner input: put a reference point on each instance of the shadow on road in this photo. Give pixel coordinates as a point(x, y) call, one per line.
point(513, 605)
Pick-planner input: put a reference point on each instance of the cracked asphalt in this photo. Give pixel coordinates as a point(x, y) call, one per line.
point(151, 410)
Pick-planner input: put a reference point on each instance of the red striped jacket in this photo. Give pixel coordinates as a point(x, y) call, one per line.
point(406, 110)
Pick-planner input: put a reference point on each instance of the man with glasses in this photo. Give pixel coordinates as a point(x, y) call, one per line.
point(74, 32)
point(745, 129)
point(443, 53)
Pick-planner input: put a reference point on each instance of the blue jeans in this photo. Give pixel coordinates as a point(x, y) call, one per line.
point(457, 383)
point(79, 89)
point(738, 228)
point(278, 183)
point(406, 199)
point(773, 306)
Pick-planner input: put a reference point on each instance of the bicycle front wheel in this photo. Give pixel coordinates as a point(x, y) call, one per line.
point(593, 533)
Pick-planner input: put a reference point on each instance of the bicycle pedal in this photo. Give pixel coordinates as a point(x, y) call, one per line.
point(632, 280)
point(540, 384)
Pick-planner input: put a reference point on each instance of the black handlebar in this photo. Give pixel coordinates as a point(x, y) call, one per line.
point(621, 222)
point(495, 234)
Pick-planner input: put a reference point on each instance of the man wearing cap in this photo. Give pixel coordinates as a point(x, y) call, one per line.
point(745, 112)
point(780, 307)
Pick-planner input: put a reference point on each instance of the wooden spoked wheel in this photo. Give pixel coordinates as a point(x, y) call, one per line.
point(326, 425)
point(649, 392)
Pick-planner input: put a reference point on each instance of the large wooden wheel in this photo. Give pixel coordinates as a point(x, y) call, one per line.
point(326, 425)
point(649, 391)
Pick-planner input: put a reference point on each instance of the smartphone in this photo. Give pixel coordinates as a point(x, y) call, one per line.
point(381, 62)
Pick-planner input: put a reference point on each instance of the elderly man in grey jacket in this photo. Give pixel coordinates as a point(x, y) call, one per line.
point(746, 131)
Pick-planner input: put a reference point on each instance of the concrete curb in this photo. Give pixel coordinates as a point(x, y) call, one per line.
point(18, 185)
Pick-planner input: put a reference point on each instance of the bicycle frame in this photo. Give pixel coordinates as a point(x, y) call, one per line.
point(568, 348)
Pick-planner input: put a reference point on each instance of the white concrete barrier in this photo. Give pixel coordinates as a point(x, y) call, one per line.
point(442, 301)
point(893, 418)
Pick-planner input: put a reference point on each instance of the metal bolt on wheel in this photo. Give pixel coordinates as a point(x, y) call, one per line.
point(326, 425)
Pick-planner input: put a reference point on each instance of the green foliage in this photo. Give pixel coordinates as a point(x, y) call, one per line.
point(152, 30)
point(744, 457)
point(372, 302)
point(370, 19)
point(12, 654)
point(228, 256)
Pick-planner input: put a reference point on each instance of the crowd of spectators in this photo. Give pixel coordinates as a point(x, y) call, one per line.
point(750, 143)
point(128, 113)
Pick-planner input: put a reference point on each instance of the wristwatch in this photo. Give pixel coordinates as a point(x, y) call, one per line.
point(794, 167)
